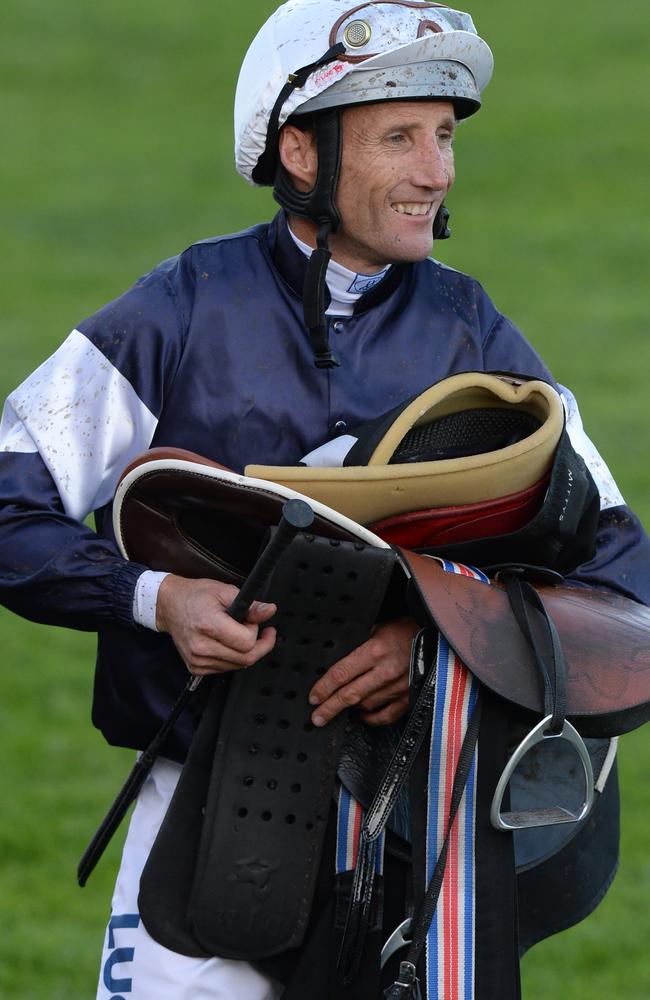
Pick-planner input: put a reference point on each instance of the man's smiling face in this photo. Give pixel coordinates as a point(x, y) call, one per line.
point(397, 167)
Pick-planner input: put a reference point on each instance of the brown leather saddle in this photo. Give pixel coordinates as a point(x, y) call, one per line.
point(177, 511)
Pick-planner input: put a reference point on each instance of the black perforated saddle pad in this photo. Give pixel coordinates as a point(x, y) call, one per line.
point(233, 869)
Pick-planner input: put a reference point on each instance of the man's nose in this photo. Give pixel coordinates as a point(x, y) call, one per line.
point(433, 167)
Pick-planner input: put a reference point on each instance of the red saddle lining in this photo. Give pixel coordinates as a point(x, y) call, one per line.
point(466, 522)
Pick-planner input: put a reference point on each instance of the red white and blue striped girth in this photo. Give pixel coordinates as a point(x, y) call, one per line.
point(450, 959)
point(450, 947)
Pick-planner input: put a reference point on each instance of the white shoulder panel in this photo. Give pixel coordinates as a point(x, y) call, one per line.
point(610, 495)
point(83, 418)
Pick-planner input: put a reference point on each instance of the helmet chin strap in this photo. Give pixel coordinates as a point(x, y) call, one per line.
point(441, 230)
point(313, 297)
point(319, 206)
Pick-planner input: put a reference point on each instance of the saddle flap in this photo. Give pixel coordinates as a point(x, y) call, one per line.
point(605, 638)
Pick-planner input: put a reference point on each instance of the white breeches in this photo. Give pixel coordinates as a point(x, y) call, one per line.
point(134, 966)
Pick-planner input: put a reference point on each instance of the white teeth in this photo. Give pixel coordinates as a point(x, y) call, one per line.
point(412, 207)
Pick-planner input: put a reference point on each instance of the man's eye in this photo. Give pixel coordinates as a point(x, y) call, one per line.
point(446, 138)
point(395, 138)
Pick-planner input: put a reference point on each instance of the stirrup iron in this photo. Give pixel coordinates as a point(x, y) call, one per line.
point(544, 815)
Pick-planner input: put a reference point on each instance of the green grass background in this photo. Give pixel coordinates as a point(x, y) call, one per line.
point(117, 152)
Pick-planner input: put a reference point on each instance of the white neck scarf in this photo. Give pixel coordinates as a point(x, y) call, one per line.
point(345, 286)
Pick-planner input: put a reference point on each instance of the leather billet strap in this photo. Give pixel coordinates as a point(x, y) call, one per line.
point(605, 640)
point(376, 817)
point(265, 787)
point(545, 647)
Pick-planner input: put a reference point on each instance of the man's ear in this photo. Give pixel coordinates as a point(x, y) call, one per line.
point(299, 156)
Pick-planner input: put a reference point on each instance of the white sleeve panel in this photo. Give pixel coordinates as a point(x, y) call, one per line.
point(83, 418)
point(610, 495)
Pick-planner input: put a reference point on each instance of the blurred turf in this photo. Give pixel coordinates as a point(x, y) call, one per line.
point(117, 152)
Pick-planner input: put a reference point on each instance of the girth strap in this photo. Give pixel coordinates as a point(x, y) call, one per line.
point(407, 984)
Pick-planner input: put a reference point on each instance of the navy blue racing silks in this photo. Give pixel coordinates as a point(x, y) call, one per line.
point(209, 352)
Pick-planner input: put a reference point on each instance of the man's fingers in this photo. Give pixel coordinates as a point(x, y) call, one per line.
point(208, 656)
point(260, 612)
point(239, 637)
point(350, 682)
point(370, 676)
point(388, 715)
point(238, 643)
point(370, 694)
point(338, 676)
point(383, 695)
point(209, 640)
point(366, 685)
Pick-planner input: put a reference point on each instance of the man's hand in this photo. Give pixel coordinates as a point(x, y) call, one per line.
point(374, 677)
point(194, 613)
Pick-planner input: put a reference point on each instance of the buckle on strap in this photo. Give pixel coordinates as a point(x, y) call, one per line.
point(400, 938)
point(544, 815)
point(406, 986)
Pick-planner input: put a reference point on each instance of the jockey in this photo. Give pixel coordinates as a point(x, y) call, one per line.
point(259, 347)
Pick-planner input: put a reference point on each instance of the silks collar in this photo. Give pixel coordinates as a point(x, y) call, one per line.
point(292, 265)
